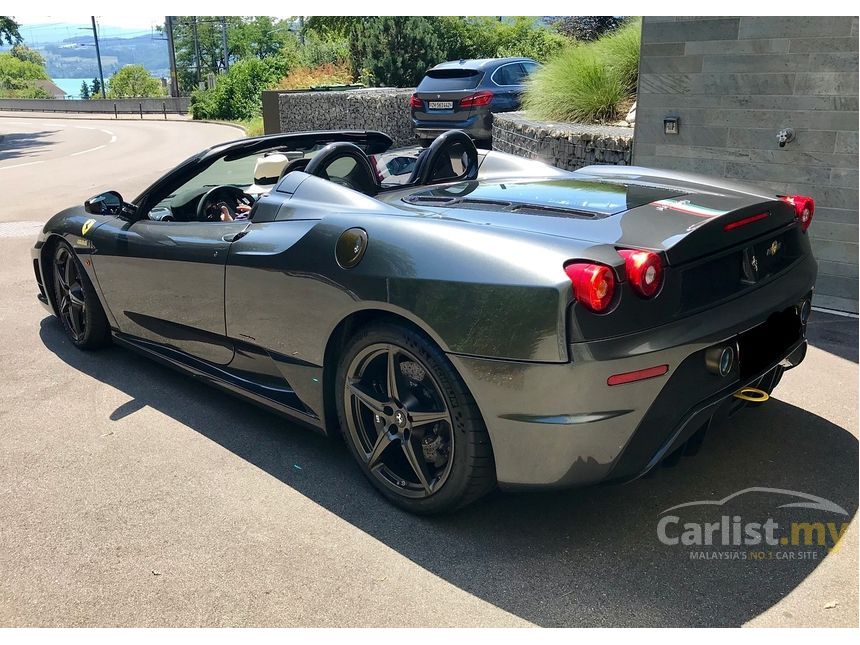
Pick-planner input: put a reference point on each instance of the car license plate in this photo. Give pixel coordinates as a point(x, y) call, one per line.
point(441, 105)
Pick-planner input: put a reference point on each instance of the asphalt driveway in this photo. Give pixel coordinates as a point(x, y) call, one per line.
point(131, 495)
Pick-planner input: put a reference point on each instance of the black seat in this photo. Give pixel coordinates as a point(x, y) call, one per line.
point(361, 178)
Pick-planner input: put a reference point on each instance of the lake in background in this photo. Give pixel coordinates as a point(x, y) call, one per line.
point(72, 86)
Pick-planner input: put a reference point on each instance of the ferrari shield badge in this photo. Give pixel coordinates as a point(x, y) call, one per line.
point(87, 226)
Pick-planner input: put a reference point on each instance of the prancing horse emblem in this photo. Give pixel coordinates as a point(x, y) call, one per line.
point(774, 247)
point(754, 263)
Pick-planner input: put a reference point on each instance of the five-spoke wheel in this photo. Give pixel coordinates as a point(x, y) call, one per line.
point(79, 309)
point(399, 418)
point(410, 421)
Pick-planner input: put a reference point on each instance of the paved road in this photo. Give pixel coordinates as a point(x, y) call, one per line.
point(131, 495)
point(74, 158)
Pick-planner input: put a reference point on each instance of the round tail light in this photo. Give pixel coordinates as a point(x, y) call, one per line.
point(593, 284)
point(644, 271)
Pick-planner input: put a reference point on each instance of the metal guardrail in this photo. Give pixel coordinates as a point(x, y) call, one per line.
point(141, 106)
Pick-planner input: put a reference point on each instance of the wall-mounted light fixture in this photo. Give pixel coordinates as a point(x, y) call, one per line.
point(671, 124)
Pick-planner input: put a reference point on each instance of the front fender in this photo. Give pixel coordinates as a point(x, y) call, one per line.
point(80, 230)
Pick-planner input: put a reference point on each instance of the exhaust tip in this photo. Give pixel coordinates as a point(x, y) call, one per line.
point(720, 360)
point(803, 311)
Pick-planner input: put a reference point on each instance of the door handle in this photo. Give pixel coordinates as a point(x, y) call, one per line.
point(232, 237)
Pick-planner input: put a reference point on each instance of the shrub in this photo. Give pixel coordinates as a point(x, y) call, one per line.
point(237, 94)
point(319, 50)
point(587, 82)
point(307, 77)
point(483, 37)
point(523, 38)
point(586, 28)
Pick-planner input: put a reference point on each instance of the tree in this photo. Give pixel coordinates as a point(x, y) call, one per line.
point(586, 28)
point(96, 92)
point(260, 36)
point(85, 91)
point(132, 81)
point(247, 36)
point(9, 31)
point(394, 50)
point(22, 52)
point(17, 76)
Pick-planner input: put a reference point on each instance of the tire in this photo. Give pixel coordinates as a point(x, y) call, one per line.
point(430, 427)
point(80, 311)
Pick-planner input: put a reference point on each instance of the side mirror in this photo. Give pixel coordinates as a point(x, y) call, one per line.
point(109, 203)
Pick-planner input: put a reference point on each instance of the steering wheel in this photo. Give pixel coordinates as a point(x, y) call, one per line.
point(209, 206)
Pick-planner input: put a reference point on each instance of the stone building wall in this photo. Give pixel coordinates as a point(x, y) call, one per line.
point(734, 83)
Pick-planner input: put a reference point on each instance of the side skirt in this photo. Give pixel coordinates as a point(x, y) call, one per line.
point(281, 400)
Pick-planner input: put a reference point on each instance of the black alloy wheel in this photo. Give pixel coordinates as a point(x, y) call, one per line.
point(79, 309)
point(410, 422)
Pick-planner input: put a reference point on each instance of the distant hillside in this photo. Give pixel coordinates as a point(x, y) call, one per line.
point(76, 57)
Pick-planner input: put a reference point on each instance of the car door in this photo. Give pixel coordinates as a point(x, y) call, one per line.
point(509, 80)
point(164, 282)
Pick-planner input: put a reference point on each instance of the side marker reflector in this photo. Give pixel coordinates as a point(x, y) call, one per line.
point(638, 375)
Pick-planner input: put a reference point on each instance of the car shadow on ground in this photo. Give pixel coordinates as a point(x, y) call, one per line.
point(573, 558)
point(18, 145)
point(835, 334)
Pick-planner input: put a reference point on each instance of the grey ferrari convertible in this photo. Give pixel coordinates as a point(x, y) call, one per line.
point(465, 318)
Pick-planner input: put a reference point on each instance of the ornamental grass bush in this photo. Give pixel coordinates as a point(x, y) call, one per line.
point(590, 82)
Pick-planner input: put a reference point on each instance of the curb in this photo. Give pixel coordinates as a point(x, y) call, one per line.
point(227, 123)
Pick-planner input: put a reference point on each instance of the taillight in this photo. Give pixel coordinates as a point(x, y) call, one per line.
point(644, 271)
point(415, 102)
point(804, 208)
point(479, 99)
point(593, 284)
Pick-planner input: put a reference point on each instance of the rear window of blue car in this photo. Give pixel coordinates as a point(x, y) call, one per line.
point(447, 80)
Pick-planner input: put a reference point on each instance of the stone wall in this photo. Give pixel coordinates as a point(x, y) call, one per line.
point(734, 82)
point(566, 145)
point(383, 109)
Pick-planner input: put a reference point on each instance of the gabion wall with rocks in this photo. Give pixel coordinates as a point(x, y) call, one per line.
point(383, 109)
point(566, 145)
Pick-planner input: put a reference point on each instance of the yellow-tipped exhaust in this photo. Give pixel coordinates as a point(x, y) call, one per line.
point(752, 394)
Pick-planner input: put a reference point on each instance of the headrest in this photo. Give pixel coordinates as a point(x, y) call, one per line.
point(268, 168)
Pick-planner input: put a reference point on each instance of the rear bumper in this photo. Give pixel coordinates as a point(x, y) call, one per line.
point(477, 126)
point(555, 425)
